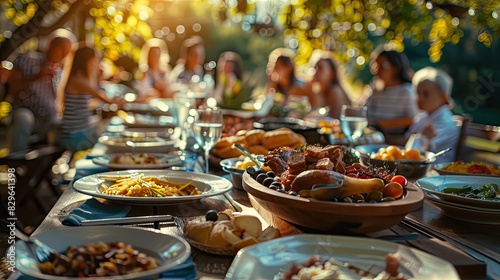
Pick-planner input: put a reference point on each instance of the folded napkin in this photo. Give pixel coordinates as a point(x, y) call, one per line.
point(93, 209)
point(184, 271)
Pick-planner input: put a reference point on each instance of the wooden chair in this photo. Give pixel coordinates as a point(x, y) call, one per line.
point(32, 167)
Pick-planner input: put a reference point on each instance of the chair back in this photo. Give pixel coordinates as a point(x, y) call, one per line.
point(461, 121)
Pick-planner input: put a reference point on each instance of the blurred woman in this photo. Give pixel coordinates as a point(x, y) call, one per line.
point(78, 132)
point(189, 68)
point(228, 85)
point(392, 95)
point(325, 88)
point(154, 66)
point(281, 73)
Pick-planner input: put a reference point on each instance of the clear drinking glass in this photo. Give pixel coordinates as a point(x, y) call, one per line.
point(353, 121)
point(182, 103)
point(207, 129)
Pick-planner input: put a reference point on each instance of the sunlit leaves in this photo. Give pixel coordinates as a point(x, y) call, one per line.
point(354, 24)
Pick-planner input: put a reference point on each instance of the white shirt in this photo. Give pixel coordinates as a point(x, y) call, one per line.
point(447, 132)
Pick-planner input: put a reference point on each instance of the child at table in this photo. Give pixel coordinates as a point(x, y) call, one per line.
point(79, 132)
point(434, 129)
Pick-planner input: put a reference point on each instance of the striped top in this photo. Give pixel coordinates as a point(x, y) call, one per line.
point(39, 97)
point(76, 112)
point(392, 103)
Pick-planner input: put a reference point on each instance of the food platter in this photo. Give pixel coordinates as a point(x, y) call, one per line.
point(169, 250)
point(469, 214)
point(210, 185)
point(440, 168)
point(127, 144)
point(327, 216)
point(268, 259)
point(162, 161)
point(434, 185)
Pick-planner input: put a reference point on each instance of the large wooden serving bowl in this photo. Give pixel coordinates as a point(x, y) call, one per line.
point(333, 217)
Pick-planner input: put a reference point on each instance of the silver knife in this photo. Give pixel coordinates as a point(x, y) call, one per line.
point(127, 220)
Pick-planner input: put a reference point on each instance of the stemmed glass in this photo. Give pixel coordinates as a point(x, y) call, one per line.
point(182, 103)
point(353, 121)
point(207, 129)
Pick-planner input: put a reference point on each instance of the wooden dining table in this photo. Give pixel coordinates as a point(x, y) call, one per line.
point(474, 249)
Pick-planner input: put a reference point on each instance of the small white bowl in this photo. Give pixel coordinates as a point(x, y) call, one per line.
point(228, 165)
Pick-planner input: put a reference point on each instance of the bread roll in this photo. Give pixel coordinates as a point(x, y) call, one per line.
point(226, 152)
point(216, 237)
point(199, 231)
point(258, 150)
point(279, 138)
point(254, 137)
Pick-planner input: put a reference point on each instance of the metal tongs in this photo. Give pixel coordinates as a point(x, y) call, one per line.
point(257, 160)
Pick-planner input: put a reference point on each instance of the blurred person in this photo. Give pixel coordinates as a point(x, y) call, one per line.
point(392, 97)
point(189, 68)
point(229, 78)
point(281, 73)
point(155, 68)
point(434, 129)
point(78, 132)
point(325, 88)
point(32, 92)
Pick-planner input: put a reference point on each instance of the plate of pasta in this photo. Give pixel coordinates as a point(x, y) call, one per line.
point(122, 161)
point(470, 168)
point(152, 187)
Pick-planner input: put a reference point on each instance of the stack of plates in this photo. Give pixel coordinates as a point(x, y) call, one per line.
point(482, 211)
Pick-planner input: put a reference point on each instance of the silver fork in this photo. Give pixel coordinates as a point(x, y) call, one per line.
point(40, 250)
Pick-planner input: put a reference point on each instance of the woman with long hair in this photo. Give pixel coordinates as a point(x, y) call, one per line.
point(78, 132)
point(392, 94)
point(325, 88)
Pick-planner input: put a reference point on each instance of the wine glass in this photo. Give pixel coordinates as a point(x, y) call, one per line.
point(353, 121)
point(182, 103)
point(207, 129)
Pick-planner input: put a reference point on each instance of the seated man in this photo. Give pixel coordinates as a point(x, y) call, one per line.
point(434, 129)
point(32, 92)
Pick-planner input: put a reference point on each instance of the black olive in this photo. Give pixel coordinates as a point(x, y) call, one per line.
point(273, 187)
point(271, 174)
point(212, 215)
point(292, 193)
point(259, 171)
point(251, 171)
point(348, 200)
point(268, 181)
point(261, 177)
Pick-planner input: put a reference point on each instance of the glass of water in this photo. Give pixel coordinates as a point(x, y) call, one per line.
point(207, 129)
point(353, 121)
point(182, 104)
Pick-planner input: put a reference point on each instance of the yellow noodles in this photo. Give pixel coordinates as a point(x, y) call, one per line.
point(151, 186)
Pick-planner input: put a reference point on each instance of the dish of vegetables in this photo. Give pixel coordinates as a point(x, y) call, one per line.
point(479, 191)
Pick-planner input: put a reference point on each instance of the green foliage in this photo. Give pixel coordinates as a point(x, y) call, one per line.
point(352, 28)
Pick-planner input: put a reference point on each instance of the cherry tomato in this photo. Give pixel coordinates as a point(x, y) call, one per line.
point(400, 179)
point(393, 189)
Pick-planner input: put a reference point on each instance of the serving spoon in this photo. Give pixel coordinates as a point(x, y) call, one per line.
point(246, 153)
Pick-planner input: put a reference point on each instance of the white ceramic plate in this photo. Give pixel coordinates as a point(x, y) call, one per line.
point(434, 185)
point(170, 250)
point(439, 167)
point(148, 144)
point(210, 185)
point(267, 259)
point(467, 213)
point(162, 159)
